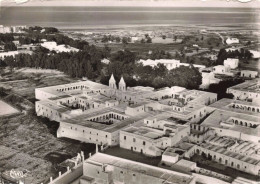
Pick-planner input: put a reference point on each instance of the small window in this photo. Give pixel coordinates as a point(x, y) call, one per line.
point(106, 136)
point(121, 172)
point(124, 137)
point(133, 139)
point(144, 143)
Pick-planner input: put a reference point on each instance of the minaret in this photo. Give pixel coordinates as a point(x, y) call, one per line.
point(112, 82)
point(122, 85)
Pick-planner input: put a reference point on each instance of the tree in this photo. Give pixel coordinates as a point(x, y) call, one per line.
point(10, 46)
point(124, 40)
point(149, 39)
point(222, 55)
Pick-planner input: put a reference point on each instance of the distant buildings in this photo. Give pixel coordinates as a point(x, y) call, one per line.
point(255, 54)
point(231, 63)
point(168, 63)
point(52, 46)
point(221, 69)
point(105, 61)
point(3, 55)
point(208, 78)
point(11, 29)
point(230, 41)
point(248, 74)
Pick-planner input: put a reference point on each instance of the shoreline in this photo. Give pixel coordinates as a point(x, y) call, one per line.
point(126, 26)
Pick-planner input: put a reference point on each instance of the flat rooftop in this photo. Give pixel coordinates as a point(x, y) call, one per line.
point(218, 116)
point(87, 84)
point(224, 151)
point(54, 106)
point(160, 173)
point(248, 86)
point(226, 104)
point(144, 132)
point(83, 120)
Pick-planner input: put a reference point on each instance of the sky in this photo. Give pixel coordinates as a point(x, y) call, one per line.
point(146, 3)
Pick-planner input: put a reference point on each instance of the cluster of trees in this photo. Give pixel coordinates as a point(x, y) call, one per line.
point(159, 54)
point(36, 34)
point(243, 54)
point(9, 46)
point(7, 40)
point(46, 30)
point(146, 39)
point(123, 64)
point(222, 86)
point(117, 39)
point(8, 37)
point(86, 63)
point(107, 38)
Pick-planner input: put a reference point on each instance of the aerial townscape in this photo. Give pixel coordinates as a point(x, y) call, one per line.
point(129, 104)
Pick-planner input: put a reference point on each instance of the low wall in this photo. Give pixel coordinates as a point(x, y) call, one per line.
point(69, 176)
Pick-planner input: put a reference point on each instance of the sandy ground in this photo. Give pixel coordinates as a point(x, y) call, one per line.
point(6, 109)
point(34, 70)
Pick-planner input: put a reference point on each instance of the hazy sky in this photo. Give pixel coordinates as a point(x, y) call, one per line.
point(152, 3)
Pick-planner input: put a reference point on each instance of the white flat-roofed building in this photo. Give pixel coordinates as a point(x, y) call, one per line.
point(168, 63)
point(105, 61)
point(231, 63)
point(226, 157)
point(249, 74)
point(169, 157)
point(256, 54)
point(230, 41)
point(248, 90)
point(208, 78)
point(52, 46)
point(156, 134)
point(3, 55)
point(221, 69)
point(237, 119)
point(98, 126)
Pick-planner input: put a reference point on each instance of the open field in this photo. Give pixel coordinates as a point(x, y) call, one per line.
point(6, 109)
point(24, 81)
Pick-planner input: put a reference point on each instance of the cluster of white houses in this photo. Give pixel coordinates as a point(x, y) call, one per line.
point(174, 123)
point(12, 29)
point(229, 68)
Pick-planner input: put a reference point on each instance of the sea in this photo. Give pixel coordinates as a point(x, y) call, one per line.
point(91, 17)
